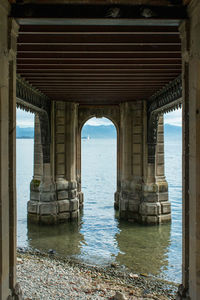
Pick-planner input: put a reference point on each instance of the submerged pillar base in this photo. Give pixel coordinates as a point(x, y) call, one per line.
point(116, 200)
point(155, 207)
point(148, 204)
point(54, 203)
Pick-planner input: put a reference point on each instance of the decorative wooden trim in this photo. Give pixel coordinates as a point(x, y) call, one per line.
point(32, 100)
point(167, 99)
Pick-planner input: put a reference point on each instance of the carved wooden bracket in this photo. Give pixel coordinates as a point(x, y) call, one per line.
point(167, 99)
point(32, 100)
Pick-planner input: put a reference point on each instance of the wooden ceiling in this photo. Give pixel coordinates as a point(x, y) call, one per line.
point(98, 64)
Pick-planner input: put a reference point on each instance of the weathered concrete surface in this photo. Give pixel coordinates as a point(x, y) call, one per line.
point(190, 34)
point(8, 35)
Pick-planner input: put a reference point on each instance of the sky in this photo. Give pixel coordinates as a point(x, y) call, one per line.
point(25, 119)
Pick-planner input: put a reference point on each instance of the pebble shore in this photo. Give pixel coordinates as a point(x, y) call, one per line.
point(49, 277)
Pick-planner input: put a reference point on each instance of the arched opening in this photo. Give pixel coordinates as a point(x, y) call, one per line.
point(99, 181)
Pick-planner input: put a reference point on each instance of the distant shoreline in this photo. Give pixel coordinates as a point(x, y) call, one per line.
point(25, 137)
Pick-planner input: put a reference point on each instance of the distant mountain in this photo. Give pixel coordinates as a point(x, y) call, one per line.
point(24, 132)
point(99, 132)
point(172, 131)
point(102, 131)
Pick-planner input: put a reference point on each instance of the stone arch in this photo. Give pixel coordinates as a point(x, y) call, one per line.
point(111, 112)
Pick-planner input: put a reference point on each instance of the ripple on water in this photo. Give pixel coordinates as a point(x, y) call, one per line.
point(101, 238)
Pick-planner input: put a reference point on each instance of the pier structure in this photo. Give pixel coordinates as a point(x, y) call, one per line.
point(129, 61)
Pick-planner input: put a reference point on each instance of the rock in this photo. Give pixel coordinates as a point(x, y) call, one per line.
point(135, 276)
point(119, 296)
point(51, 251)
point(113, 265)
point(19, 260)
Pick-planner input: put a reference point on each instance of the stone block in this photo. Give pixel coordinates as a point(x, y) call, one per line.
point(164, 218)
point(60, 169)
point(75, 215)
point(136, 159)
point(61, 195)
point(137, 148)
point(137, 138)
point(48, 208)
point(166, 207)
point(60, 113)
point(72, 194)
point(34, 185)
point(48, 219)
point(74, 204)
point(137, 129)
point(163, 197)
point(160, 138)
point(162, 186)
point(62, 185)
point(60, 138)
point(60, 148)
point(63, 205)
point(133, 207)
point(47, 187)
point(160, 158)
point(160, 148)
point(60, 128)
point(137, 170)
point(160, 170)
point(72, 185)
point(32, 207)
point(81, 198)
point(60, 120)
point(150, 209)
point(33, 218)
point(60, 158)
point(47, 196)
point(34, 195)
point(150, 197)
point(63, 217)
point(123, 204)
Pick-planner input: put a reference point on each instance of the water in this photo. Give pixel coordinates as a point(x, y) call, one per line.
point(101, 238)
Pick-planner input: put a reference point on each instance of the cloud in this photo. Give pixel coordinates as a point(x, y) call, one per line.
point(174, 117)
point(24, 119)
point(98, 122)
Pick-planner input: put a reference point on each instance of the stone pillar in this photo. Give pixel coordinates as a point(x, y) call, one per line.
point(38, 153)
point(42, 207)
point(8, 35)
point(66, 119)
point(191, 153)
point(155, 208)
point(144, 190)
point(131, 137)
point(54, 196)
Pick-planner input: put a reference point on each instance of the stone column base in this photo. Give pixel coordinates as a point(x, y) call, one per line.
point(129, 206)
point(147, 204)
point(55, 203)
point(81, 199)
point(116, 201)
point(155, 213)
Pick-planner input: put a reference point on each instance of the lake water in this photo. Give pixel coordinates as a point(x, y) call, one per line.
point(101, 238)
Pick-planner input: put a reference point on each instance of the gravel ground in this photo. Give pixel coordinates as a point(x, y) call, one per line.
point(49, 277)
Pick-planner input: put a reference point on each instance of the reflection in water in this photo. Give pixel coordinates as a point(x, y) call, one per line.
point(65, 239)
point(141, 249)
